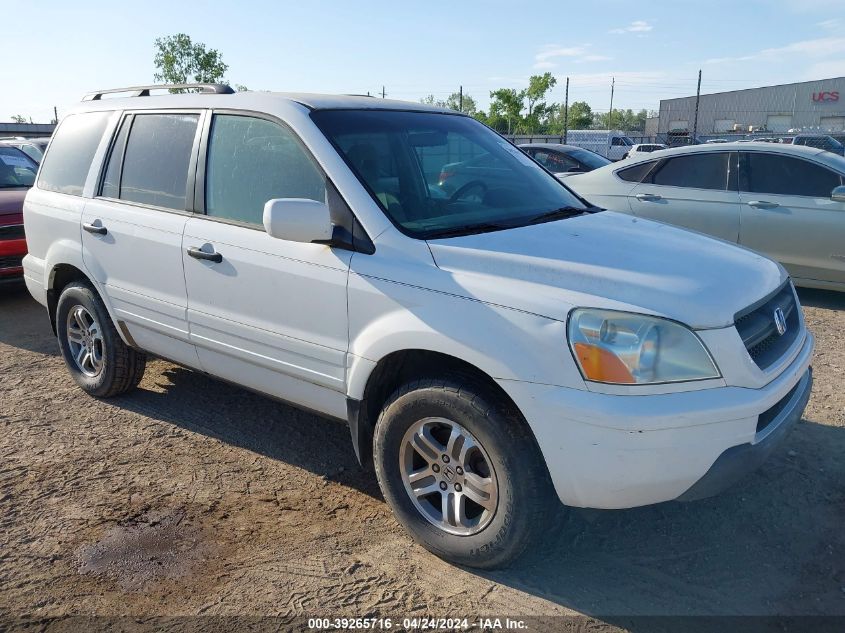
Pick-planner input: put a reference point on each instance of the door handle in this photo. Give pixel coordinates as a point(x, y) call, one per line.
point(762, 204)
point(648, 197)
point(93, 228)
point(197, 253)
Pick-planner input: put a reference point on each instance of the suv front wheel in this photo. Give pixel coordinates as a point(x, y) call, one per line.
point(97, 358)
point(462, 473)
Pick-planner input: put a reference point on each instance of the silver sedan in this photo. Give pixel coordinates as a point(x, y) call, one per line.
point(785, 201)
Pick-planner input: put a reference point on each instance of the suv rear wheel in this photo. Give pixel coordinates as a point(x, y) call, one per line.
point(99, 361)
point(462, 473)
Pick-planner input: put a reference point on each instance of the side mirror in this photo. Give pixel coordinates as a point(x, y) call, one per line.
point(838, 194)
point(298, 220)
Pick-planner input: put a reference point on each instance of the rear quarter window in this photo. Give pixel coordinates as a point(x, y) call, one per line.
point(65, 167)
point(637, 172)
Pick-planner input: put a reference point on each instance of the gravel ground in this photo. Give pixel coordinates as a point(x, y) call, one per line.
point(190, 496)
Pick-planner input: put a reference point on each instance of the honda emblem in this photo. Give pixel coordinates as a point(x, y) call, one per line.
point(780, 321)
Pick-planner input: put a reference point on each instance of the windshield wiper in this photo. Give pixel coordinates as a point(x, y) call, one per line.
point(560, 214)
point(466, 229)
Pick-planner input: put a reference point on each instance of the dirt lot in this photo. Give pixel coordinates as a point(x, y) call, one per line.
point(190, 496)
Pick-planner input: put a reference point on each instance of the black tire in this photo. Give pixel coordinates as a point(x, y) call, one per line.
point(121, 367)
point(526, 500)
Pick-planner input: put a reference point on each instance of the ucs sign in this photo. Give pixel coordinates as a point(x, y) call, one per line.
point(826, 96)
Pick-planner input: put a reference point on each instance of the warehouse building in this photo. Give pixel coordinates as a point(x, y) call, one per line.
point(809, 106)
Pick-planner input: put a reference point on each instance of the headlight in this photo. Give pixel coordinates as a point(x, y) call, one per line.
point(627, 348)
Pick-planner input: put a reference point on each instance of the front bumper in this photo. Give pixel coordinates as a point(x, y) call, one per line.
point(622, 451)
point(739, 461)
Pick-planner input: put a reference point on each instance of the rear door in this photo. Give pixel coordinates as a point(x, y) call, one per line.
point(787, 213)
point(695, 191)
point(132, 229)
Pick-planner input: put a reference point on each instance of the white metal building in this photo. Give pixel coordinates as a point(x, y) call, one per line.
point(809, 106)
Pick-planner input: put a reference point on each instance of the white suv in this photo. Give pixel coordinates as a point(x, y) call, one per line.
point(494, 348)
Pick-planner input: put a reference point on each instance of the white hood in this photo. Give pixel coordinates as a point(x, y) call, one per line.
point(610, 260)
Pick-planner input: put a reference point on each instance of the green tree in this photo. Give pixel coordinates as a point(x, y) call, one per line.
point(626, 120)
point(580, 115)
point(179, 60)
point(430, 100)
point(18, 118)
point(506, 106)
point(538, 110)
point(453, 102)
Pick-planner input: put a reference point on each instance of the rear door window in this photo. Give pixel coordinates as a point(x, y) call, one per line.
point(157, 159)
point(65, 168)
point(786, 175)
point(696, 171)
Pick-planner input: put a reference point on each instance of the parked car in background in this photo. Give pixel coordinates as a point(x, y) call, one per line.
point(786, 201)
point(32, 147)
point(820, 141)
point(716, 140)
point(495, 352)
point(612, 144)
point(644, 148)
point(564, 160)
point(17, 174)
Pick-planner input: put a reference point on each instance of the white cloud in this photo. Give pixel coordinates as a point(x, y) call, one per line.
point(830, 25)
point(579, 54)
point(829, 68)
point(637, 26)
point(821, 47)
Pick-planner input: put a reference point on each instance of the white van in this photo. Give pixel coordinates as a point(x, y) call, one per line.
point(497, 347)
point(612, 144)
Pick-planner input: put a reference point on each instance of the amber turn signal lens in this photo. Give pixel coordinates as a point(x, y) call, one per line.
point(600, 365)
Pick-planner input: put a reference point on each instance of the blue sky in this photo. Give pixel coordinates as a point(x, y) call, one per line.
point(60, 50)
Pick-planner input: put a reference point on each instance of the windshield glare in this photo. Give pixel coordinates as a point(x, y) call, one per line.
point(16, 168)
point(439, 173)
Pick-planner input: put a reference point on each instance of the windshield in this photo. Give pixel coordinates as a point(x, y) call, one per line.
point(16, 168)
point(590, 159)
point(437, 174)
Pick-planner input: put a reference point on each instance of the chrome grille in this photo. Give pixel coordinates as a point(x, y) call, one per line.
point(758, 328)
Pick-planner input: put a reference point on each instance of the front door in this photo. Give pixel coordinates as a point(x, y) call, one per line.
point(787, 213)
point(264, 312)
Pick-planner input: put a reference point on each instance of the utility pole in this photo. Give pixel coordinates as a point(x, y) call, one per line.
point(460, 98)
point(382, 92)
point(55, 115)
point(610, 114)
point(566, 113)
point(695, 120)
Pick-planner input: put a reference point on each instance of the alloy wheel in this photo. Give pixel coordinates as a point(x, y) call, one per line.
point(85, 341)
point(448, 476)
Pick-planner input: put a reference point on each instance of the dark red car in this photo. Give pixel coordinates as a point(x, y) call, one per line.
point(17, 175)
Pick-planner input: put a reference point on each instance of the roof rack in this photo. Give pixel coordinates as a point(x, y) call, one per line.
point(144, 91)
